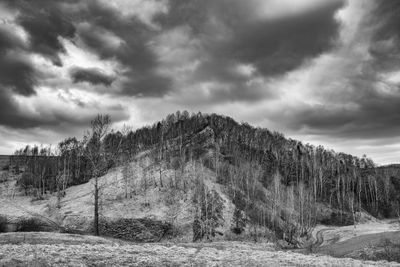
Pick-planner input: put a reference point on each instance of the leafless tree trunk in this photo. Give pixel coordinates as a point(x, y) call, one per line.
point(96, 206)
point(96, 155)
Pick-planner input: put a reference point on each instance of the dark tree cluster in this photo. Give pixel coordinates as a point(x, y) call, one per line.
point(208, 215)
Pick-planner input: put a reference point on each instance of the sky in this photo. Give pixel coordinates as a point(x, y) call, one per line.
point(326, 72)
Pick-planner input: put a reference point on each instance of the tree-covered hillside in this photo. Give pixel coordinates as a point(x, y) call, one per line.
point(273, 181)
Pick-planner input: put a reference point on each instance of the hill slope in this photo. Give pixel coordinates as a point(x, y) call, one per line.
point(134, 195)
point(211, 172)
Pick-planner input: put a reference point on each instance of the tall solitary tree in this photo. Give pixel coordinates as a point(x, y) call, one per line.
point(94, 152)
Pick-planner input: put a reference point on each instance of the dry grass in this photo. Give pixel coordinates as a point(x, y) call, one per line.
point(48, 249)
point(149, 200)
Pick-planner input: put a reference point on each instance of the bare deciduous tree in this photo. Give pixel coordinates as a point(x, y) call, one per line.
point(94, 151)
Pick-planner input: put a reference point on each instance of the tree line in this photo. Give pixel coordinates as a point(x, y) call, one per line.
point(247, 160)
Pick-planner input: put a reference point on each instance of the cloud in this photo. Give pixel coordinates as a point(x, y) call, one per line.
point(45, 24)
point(344, 91)
point(323, 71)
point(91, 75)
point(143, 10)
point(276, 9)
point(104, 41)
point(17, 75)
point(58, 110)
point(125, 40)
point(219, 40)
point(40, 48)
point(279, 45)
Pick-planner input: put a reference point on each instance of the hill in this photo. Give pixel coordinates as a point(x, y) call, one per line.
point(211, 176)
point(134, 199)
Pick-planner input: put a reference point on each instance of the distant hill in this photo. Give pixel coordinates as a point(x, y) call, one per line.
point(390, 166)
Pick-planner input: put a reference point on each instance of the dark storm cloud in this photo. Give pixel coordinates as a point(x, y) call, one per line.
point(207, 54)
point(279, 45)
point(45, 30)
point(194, 13)
point(45, 24)
point(386, 14)
point(9, 112)
point(359, 101)
point(376, 117)
point(47, 21)
point(146, 84)
point(91, 75)
point(231, 34)
point(385, 48)
point(133, 52)
point(273, 47)
point(17, 76)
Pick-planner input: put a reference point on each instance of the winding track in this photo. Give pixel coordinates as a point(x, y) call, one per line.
point(342, 248)
point(320, 237)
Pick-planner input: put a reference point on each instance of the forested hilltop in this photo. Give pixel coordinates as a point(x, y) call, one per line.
point(274, 182)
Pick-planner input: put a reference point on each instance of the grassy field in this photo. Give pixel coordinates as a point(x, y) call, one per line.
point(53, 249)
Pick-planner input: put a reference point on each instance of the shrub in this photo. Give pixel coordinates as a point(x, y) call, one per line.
point(238, 221)
point(3, 224)
point(338, 219)
point(3, 177)
point(391, 251)
point(31, 225)
point(138, 230)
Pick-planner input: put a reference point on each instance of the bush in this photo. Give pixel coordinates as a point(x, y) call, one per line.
point(338, 219)
point(238, 222)
point(3, 224)
point(31, 225)
point(386, 251)
point(138, 230)
point(391, 251)
point(3, 177)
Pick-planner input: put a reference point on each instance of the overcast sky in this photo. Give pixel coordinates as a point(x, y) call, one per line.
point(321, 71)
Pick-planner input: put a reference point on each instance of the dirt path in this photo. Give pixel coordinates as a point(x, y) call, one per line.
point(346, 247)
point(320, 237)
point(342, 241)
